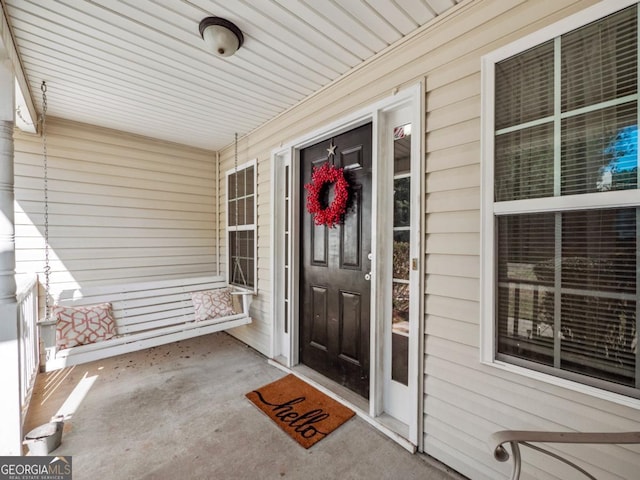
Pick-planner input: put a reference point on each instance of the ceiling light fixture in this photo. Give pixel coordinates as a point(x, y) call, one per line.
point(221, 36)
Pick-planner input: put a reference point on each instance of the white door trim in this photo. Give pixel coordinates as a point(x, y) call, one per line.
point(285, 345)
point(398, 399)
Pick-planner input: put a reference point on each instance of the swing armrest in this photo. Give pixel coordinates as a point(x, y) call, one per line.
point(46, 323)
point(246, 298)
point(242, 291)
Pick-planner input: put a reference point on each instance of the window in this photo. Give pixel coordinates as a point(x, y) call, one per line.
point(561, 204)
point(241, 225)
point(401, 253)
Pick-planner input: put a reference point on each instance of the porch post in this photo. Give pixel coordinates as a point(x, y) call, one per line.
point(10, 415)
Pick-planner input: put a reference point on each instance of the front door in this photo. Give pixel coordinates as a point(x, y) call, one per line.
point(335, 273)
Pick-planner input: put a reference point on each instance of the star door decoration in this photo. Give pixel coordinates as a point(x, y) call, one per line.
point(331, 150)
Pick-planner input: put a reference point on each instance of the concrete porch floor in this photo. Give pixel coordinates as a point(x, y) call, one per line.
point(179, 411)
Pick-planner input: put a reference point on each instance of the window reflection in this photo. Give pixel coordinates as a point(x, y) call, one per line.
point(599, 150)
point(621, 172)
point(401, 202)
point(401, 253)
point(594, 260)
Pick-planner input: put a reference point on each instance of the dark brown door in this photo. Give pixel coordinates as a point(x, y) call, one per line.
point(335, 288)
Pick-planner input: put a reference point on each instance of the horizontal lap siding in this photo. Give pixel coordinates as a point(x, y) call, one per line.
point(464, 401)
point(122, 208)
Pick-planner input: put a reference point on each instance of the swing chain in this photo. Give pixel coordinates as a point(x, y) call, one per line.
point(47, 267)
point(236, 263)
point(235, 156)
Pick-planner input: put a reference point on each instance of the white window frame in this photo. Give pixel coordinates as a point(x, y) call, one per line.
point(489, 210)
point(248, 227)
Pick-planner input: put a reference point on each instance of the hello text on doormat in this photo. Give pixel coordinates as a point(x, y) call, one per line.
point(302, 411)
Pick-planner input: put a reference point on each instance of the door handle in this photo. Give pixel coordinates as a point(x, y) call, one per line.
point(367, 276)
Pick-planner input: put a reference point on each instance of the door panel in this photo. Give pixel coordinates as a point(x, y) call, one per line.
point(335, 296)
point(351, 234)
point(350, 314)
point(319, 246)
point(319, 318)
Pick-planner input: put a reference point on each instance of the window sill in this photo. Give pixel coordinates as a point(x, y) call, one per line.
point(566, 384)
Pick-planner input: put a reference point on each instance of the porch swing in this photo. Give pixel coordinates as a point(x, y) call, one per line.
point(93, 323)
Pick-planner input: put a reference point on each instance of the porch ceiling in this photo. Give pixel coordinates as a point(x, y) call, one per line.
point(140, 65)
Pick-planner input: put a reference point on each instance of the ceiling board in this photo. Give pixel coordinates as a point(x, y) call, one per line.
point(141, 66)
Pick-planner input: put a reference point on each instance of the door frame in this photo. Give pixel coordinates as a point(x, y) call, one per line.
point(285, 248)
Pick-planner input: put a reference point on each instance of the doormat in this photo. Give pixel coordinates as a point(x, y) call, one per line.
point(302, 411)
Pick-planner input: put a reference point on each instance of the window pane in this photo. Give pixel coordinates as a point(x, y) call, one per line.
point(402, 202)
point(239, 271)
point(286, 181)
point(599, 250)
point(231, 186)
point(524, 164)
point(401, 254)
point(241, 258)
point(286, 215)
point(249, 210)
point(524, 87)
point(599, 337)
point(231, 213)
point(250, 266)
point(240, 205)
point(250, 243)
point(232, 245)
point(526, 246)
point(401, 308)
point(242, 244)
point(600, 150)
point(400, 334)
point(600, 61)
point(402, 149)
point(598, 286)
point(599, 265)
point(401, 248)
point(249, 181)
point(249, 234)
point(241, 175)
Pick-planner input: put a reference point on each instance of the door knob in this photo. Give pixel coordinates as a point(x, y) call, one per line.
point(367, 276)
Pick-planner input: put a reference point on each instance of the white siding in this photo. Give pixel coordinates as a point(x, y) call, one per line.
point(125, 208)
point(122, 208)
point(464, 401)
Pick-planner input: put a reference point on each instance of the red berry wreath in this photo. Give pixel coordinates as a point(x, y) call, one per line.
point(333, 213)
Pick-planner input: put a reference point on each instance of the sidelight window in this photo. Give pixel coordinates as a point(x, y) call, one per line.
point(401, 252)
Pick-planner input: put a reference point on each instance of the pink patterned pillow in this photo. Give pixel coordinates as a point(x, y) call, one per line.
point(212, 304)
point(82, 325)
